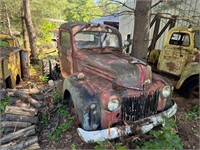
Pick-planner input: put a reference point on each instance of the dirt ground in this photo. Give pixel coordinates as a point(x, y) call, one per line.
point(188, 130)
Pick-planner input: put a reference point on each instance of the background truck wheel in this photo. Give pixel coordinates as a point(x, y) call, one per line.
point(191, 88)
point(51, 69)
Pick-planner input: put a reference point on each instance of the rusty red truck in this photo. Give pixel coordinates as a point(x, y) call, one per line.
point(109, 93)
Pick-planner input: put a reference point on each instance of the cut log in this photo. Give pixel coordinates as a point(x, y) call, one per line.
point(21, 145)
point(14, 124)
point(5, 131)
point(3, 94)
point(21, 111)
point(26, 97)
point(33, 147)
point(10, 117)
point(18, 134)
point(26, 91)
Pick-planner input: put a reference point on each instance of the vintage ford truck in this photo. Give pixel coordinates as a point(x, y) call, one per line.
point(179, 59)
point(13, 62)
point(109, 93)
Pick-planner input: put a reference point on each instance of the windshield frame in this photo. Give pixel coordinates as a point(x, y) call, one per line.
point(197, 39)
point(102, 38)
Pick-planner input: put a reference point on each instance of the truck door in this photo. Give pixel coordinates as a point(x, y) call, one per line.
point(65, 53)
point(174, 55)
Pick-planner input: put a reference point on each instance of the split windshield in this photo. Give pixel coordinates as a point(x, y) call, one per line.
point(96, 39)
point(197, 39)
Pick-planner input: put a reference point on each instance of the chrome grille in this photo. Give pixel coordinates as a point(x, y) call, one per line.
point(135, 108)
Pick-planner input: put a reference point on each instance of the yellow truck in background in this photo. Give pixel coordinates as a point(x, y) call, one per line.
point(13, 62)
point(179, 59)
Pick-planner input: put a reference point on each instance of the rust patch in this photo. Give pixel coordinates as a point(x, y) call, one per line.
point(171, 66)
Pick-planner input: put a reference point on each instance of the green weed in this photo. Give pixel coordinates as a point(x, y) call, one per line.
point(193, 113)
point(43, 78)
point(45, 119)
point(3, 104)
point(73, 146)
point(166, 138)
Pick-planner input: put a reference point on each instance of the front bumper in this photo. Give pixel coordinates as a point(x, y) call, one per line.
point(140, 126)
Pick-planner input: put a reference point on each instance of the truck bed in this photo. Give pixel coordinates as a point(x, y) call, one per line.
point(5, 52)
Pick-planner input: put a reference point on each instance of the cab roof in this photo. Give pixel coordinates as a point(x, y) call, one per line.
point(185, 28)
point(69, 25)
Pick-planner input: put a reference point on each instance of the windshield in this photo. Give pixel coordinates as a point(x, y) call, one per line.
point(96, 39)
point(197, 39)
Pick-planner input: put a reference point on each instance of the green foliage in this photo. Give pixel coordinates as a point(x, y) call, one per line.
point(193, 113)
point(45, 119)
point(4, 103)
point(62, 128)
point(166, 138)
point(62, 112)
point(108, 7)
point(56, 96)
point(3, 44)
point(82, 10)
point(73, 146)
point(43, 78)
point(108, 145)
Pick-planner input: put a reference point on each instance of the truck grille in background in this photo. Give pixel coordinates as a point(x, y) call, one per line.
point(135, 108)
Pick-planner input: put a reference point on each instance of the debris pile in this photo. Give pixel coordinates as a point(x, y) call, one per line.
point(19, 119)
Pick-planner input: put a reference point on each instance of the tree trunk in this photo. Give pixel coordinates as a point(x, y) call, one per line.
point(30, 28)
point(24, 31)
point(141, 29)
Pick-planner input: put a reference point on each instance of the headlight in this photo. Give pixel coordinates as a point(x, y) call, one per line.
point(166, 91)
point(113, 104)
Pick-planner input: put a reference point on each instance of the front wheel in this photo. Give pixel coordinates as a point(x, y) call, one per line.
point(191, 88)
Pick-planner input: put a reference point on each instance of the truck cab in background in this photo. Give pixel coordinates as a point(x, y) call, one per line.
point(179, 59)
point(13, 62)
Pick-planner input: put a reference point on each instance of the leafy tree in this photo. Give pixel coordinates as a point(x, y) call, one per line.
point(82, 10)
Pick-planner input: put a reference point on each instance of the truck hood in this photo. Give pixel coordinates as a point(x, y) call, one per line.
point(119, 68)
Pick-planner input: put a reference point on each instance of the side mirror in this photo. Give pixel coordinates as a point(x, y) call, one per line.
point(127, 43)
point(125, 49)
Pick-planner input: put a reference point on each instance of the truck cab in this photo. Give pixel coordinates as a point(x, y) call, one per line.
point(108, 92)
point(180, 58)
point(13, 61)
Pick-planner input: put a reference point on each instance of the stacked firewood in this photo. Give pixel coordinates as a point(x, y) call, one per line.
point(19, 120)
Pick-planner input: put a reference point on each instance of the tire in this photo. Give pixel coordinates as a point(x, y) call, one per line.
point(51, 69)
point(191, 88)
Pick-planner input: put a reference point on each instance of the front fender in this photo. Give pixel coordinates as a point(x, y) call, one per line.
point(83, 99)
point(190, 70)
